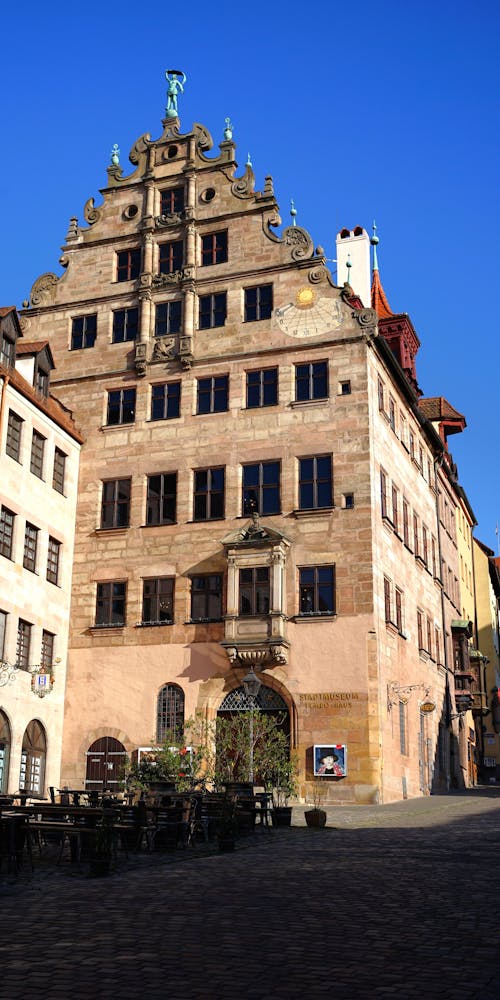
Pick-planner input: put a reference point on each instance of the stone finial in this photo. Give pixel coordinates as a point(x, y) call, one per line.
point(228, 131)
point(249, 160)
point(115, 155)
point(268, 186)
point(293, 212)
point(175, 86)
point(72, 233)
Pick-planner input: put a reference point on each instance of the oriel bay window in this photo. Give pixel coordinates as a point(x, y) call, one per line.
point(158, 601)
point(208, 494)
point(254, 591)
point(110, 604)
point(261, 488)
point(206, 597)
point(317, 590)
point(161, 500)
point(115, 507)
point(315, 482)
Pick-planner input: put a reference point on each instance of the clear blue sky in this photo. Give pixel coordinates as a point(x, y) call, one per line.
point(359, 110)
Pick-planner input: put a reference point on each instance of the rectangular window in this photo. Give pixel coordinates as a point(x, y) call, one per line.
point(425, 545)
point(30, 547)
point(428, 635)
point(392, 413)
point(168, 317)
point(13, 441)
point(403, 429)
point(206, 597)
point(59, 471)
point(415, 535)
point(262, 388)
point(406, 523)
point(254, 591)
point(83, 332)
point(398, 594)
point(395, 508)
point(315, 482)
point(47, 648)
point(213, 310)
point(258, 303)
point(172, 201)
point(311, 381)
point(162, 498)
point(128, 264)
point(261, 488)
point(171, 257)
point(7, 352)
point(213, 394)
point(434, 556)
point(165, 401)
point(42, 382)
point(437, 644)
point(23, 644)
point(6, 532)
point(208, 494)
point(53, 560)
point(121, 407)
point(115, 509)
point(3, 629)
point(214, 248)
point(403, 736)
point(383, 493)
point(125, 325)
point(37, 450)
point(380, 393)
point(387, 600)
point(420, 630)
point(110, 604)
point(158, 601)
point(317, 590)
point(412, 444)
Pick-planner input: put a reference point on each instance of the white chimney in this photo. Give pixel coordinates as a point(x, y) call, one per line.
point(353, 247)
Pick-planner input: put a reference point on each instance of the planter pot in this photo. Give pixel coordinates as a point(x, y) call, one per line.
point(315, 818)
point(282, 816)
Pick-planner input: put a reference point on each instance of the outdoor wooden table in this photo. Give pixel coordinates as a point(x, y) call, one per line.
point(12, 839)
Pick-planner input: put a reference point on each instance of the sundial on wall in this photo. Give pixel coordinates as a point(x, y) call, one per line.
point(309, 315)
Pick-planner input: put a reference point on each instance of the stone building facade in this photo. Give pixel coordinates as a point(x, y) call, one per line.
point(258, 486)
point(39, 454)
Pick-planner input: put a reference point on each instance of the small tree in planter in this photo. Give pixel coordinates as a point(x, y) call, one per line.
point(279, 771)
point(316, 817)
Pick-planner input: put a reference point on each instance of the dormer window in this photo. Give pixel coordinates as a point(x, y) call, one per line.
point(42, 382)
point(7, 351)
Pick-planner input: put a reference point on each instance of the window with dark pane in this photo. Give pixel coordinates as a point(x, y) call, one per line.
point(170, 713)
point(213, 310)
point(115, 503)
point(168, 317)
point(161, 499)
point(83, 332)
point(48, 639)
point(125, 325)
point(214, 248)
point(317, 590)
point(23, 643)
point(261, 488)
point(42, 382)
point(53, 560)
point(59, 471)
point(172, 201)
point(254, 591)
point(258, 303)
point(13, 440)
point(7, 351)
point(171, 256)
point(311, 381)
point(165, 401)
point(208, 494)
point(37, 451)
point(262, 387)
point(30, 547)
point(128, 264)
point(213, 394)
point(158, 601)
point(121, 406)
point(315, 482)
point(6, 531)
point(110, 604)
point(206, 597)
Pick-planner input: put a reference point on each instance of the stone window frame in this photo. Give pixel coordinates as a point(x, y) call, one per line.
point(315, 482)
point(212, 395)
point(31, 534)
point(120, 333)
point(111, 599)
point(14, 436)
point(170, 256)
point(167, 494)
point(211, 592)
point(161, 393)
point(128, 264)
point(38, 442)
point(263, 304)
point(121, 406)
point(163, 592)
point(168, 317)
point(210, 494)
point(214, 248)
point(316, 585)
point(23, 644)
point(260, 376)
point(59, 470)
point(53, 560)
point(310, 374)
point(212, 310)
point(7, 522)
point(263, 489)
point(87, 333)
point(115, 504)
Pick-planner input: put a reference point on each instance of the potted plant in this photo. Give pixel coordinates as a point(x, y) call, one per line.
point(316, 817)
point(284, 786)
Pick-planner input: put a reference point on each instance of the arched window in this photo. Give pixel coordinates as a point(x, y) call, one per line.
point(170, 712)
point(5, 740)
point(32, 772)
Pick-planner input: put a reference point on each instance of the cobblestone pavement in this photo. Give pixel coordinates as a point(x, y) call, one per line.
point(391, 901)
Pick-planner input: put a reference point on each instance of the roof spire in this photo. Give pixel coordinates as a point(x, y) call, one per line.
point(293, 212)
point(249, 161)
point(374, 240)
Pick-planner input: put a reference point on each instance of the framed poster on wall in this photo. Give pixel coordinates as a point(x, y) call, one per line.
point(330, 760)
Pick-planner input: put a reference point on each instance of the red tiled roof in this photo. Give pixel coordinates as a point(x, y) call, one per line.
point(50, 405)
point(438, 408)
point(379, 300)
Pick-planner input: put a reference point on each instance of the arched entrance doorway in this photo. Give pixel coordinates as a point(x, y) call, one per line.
point(5, 740)
point(267, 700)
point(32, 772)
point(235, 742)
point(105, 764)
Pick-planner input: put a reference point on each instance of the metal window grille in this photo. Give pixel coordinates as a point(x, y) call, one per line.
point(170, 712)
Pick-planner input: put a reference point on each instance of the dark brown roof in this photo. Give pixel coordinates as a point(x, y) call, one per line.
point(51, 406)
point(5, 310)
point(33, 347)
point(438, 408)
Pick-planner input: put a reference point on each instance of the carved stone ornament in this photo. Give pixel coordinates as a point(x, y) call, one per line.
point(366, 317)
point(317, 274)
point(300, 242)
point(24, 323)
point(243, 187)
point(163, 349)
point(90, 213)
point(270, 221)
point(170, 219)
point(258, 656)
point(160, 280)
point(279, 654)
point(146, 279)
point(203, 138)
point(44, 289)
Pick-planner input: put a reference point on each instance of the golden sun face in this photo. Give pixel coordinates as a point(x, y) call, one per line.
point(304, 298)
